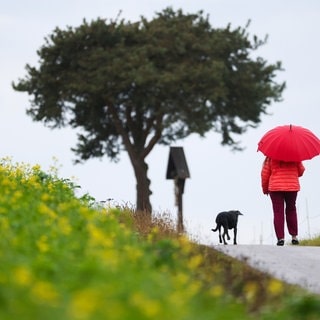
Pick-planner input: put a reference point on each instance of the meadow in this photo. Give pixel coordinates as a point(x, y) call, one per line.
point(68, 257)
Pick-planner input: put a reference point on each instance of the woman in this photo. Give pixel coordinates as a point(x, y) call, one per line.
point(281, 180)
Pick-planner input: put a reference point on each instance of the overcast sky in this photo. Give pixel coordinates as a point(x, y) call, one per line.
point(220, 179)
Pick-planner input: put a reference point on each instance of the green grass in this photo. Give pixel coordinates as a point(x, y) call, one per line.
point(64, 257)
point(315, 241)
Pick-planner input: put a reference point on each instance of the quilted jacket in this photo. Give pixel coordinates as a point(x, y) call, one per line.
point(281, 176)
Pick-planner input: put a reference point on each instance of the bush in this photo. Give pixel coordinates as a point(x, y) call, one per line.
point(63, 257)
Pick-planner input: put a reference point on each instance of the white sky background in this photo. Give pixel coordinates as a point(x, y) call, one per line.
point(220, 179)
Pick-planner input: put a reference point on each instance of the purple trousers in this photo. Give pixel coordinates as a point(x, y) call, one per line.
point(284, 206)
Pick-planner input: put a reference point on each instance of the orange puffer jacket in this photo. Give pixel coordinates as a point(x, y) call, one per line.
point(281, 176)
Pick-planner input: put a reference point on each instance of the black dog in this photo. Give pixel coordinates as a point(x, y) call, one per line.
point(227, 220)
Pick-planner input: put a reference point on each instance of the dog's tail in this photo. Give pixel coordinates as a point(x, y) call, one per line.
point(216, 229)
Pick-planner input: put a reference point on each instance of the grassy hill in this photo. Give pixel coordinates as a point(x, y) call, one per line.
point(64, 257)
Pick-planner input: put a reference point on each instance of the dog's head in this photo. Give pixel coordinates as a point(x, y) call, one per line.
point(237, 212)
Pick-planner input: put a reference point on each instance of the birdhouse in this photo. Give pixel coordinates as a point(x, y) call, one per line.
point(177, 164)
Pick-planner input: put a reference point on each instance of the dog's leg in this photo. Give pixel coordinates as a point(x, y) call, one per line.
point(226, 227)
point(220, 238)
point(235, 235)
point(225, 233)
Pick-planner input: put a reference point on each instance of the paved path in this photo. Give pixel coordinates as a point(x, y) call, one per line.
point(298, 265)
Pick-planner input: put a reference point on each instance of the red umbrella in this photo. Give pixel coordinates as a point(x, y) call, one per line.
point(289, 143)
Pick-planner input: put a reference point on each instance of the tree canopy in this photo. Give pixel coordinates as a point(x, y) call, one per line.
point(131, 85)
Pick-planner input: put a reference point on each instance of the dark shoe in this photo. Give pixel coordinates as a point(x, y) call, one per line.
point(280, 242)
point(295, 242)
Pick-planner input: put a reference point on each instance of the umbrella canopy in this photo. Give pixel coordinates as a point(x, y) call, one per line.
point(289, 143)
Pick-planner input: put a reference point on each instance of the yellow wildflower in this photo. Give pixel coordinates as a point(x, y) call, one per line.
point(44, 292)
point(185, 244)
point(64, 225)
point(36, 168)
point(34, 181)
point(149, 307)
point(275, 287)
point(85, 212)
point(42, 244)
point(216, 291)
point(181, 279)
point(133, 253)
point(45, 197)
point(110, 257)
point(251, 289)
point(45, 210)
point(16, 196)
point(195, 261)
point(22, 276)
point(84, 303)
point(193, 288)
point(153, 234)
point(98, 237)
point(5, 182)
point(4, 222)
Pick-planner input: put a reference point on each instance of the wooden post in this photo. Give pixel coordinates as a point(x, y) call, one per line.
point(178, 171)
point(179, 186)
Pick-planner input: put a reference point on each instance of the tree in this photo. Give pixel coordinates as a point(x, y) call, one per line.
point(129, 86)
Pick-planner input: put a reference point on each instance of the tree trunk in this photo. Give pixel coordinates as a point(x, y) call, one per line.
point(143, 186)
